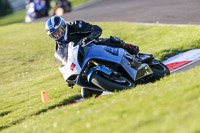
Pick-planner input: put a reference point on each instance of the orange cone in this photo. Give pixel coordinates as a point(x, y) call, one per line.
point(44, 96)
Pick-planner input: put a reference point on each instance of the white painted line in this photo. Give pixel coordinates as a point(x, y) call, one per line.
point(190, 55)
point(161, 24)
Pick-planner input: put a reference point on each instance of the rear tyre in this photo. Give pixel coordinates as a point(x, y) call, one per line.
point(111, 83)
point(159, 70)
point(87, 93)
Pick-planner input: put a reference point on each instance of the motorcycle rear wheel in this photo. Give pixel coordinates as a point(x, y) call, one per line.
point(105, 83)
point(159, 70)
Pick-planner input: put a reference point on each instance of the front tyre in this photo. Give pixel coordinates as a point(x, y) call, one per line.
point(111, 83)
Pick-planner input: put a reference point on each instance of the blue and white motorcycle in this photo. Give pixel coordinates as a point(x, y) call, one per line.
point(98, 68)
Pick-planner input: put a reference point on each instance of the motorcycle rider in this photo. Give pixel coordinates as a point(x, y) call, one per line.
point(64, 32)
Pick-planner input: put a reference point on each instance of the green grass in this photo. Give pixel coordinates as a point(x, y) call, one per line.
point(170, 105)
point(27, 67)
point(19, 16)
point(13, 18)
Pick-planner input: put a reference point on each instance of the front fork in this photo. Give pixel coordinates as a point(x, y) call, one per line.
point(93, 67)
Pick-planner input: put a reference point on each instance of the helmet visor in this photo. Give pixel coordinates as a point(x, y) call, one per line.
point(58, 33)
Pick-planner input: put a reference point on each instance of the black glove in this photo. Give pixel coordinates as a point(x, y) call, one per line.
point(70, 84)
point(86, 40)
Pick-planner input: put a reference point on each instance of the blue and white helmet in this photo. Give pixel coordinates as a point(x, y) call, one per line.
point(57, 29)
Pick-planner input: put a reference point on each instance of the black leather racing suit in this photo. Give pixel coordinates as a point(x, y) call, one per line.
point(78, 30)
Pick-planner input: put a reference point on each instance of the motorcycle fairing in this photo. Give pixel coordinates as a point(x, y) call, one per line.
point(105, 53)
point(138, 72)
point(109, 54)
point(112, 50)
point(69, 57)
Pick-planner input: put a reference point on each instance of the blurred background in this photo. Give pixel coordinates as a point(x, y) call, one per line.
point(14, 11)
point(13, 6)
point(137, 11)
point(16, 5)
point(5, 7)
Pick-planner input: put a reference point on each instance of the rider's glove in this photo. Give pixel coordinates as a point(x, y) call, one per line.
point(86, 40)
point(70, 84)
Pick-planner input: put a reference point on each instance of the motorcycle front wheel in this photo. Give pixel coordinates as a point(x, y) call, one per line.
point(111, 83)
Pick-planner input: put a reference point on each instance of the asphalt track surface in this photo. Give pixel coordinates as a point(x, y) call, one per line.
point(181, 12)
point(139, 11)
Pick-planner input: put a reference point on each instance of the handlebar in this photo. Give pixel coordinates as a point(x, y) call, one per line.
point(94, 40)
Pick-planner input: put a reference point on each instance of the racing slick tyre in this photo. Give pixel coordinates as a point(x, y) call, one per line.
point(111, 83)
point(87, 93)
point(159, 70)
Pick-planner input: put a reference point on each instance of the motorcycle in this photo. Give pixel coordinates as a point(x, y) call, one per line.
point(36, 9)
point(98, 68)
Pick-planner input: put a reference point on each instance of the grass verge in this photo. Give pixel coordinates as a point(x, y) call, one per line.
point(169, 105)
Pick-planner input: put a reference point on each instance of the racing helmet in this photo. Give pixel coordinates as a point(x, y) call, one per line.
point(57, 29)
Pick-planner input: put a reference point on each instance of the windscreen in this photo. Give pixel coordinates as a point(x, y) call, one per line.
point(61, 55)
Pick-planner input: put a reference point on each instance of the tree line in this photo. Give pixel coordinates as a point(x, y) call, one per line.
point(5, 8)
